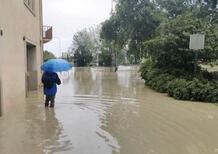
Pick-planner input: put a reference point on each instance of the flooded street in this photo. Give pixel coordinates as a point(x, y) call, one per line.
point(102, 112)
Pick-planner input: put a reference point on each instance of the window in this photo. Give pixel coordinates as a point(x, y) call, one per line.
point(30, 5)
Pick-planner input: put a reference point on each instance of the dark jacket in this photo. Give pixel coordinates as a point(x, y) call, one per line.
point(50, 81)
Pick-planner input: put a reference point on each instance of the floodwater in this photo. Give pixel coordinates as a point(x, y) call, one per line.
point(103, 112)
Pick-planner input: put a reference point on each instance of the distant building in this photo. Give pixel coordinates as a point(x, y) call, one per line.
point(21, 49)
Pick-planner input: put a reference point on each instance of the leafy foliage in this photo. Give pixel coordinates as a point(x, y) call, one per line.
point(159, 30)
point(105, 58)
point(135, 21)
point(170, 47)
point(195, 90)
point(86, 44)
point(201, 88)
point(48, 55)
point(131, 24)
point(82, 48)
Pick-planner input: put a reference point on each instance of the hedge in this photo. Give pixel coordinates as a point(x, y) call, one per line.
point(182, 86)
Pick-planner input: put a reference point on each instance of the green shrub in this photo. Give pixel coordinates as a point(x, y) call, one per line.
point(161, 82)
point(181, 86)
point(177, 89)
point(209, 75)
point(194, 90)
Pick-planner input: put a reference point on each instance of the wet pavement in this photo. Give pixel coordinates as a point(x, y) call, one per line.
point(102, 112)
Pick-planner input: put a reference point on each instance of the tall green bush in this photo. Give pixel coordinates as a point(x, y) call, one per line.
point(204, 87)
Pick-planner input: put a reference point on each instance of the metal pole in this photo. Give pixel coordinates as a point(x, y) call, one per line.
point(111, 62)
point(97, 60)
point(59, 41)
point(60, 47)
point(195, 62)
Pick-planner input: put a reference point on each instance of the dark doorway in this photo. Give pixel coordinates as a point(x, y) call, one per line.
point(31, 68)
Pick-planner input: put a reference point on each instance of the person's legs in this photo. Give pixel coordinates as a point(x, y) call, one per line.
point(47, 99)
point(52, 100)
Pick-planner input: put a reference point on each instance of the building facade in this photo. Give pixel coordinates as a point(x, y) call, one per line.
point(21, 49)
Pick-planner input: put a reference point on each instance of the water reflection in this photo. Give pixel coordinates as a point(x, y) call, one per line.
point(30, 128)
point(53, 140)
point(82, 112)
point(102, 112)
point(130, 118)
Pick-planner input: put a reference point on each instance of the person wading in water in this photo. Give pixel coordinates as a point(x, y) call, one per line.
point(50, 81)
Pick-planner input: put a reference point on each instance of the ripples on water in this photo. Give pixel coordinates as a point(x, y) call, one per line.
point(133, 119)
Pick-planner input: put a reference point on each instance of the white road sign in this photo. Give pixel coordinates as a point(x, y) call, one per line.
point(196, 41)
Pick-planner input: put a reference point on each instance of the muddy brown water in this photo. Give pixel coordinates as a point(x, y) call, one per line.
point(102, 112)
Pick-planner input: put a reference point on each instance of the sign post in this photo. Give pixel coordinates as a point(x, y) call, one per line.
point(196, 43)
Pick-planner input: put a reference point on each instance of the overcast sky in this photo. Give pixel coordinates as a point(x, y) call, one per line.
point(69, 16)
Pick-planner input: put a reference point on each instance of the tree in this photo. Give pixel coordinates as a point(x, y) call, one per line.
point(132, 23)
point(205, 9)
point(81, 48)
point(136, 21)
point(87, 47)
point(170, 47)
point(105, 58)
point(48, 55)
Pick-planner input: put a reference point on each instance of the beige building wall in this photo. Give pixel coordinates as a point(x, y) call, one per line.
point(22, 32)
point(1, 46)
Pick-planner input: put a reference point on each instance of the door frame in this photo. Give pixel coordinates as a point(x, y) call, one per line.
point(29, 43)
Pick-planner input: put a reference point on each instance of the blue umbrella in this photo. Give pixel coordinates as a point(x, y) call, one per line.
point(56, 65)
